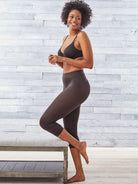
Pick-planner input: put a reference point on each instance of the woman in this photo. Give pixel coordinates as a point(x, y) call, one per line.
point(74, 55)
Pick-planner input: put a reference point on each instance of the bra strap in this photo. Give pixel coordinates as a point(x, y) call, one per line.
point(65, 38)
point(75, 37)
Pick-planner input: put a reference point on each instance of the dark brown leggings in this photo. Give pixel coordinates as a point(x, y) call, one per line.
point(67, 105)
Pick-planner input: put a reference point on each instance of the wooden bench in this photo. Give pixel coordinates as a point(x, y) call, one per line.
point(31, 169)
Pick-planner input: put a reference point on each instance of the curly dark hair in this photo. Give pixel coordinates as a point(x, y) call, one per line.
point(81, 6)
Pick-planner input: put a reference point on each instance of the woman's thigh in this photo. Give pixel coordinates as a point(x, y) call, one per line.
point(63, 104)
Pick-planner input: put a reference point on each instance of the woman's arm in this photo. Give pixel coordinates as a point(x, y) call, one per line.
point(59, 64)
point(86, 61)
point(51, 56)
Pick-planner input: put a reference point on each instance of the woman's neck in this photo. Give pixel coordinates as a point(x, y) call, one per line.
point(73, 32)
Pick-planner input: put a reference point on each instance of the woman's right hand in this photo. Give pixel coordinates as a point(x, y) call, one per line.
point(50, 59)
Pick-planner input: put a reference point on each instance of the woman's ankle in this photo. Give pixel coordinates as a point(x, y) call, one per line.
point(80, 173)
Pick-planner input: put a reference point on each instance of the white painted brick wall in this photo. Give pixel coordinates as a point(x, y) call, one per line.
point(30, 30)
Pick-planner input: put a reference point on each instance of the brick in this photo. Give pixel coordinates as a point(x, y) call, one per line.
point(18, 75)
point(107, 110)
point(17, 16)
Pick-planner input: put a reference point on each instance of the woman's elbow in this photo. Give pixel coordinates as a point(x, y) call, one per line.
point(90, 65)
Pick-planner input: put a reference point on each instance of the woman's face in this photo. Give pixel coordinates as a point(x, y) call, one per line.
point(74, 19)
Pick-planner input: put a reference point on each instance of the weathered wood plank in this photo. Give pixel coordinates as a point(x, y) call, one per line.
point(7, 166)
point(34, 169)
point(2, 165)
point(29, 166)
point(32, 166)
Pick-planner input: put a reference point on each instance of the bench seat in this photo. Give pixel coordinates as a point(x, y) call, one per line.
point(34, 142)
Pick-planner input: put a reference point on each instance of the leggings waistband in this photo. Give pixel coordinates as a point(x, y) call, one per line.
point(73, 73)
point(79, 75)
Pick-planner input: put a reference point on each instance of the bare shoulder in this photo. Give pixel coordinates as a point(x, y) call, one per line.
point(82, 35)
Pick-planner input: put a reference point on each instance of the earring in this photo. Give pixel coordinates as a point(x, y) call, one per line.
point(80, 28)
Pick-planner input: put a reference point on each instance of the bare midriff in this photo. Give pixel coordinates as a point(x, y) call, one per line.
point(67, 68)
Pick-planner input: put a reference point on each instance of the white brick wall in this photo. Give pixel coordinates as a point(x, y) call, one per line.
point(30, 30)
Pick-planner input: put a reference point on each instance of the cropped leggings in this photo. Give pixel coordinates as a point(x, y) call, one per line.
point(76, 89)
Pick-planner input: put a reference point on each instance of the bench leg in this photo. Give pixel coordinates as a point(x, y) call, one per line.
point(65, 176)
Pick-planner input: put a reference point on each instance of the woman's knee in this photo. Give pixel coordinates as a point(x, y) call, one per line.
point(41, 122)
point(44, 123)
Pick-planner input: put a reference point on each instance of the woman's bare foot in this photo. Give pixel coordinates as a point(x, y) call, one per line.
point(76, 178)
point(83, 151)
